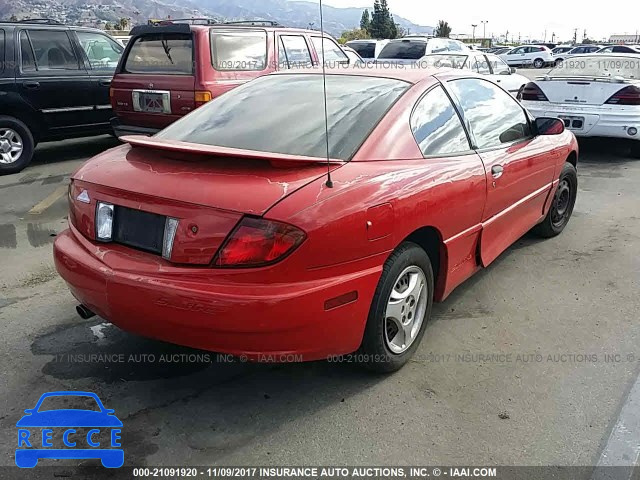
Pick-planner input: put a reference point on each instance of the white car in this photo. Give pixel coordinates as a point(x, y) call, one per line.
point(409, 50)
point(596, 95)
point(536, 55)
point(483, 63)
point(367, 49)
point(579, 50)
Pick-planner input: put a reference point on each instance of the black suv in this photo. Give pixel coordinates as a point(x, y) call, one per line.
point(54, 84)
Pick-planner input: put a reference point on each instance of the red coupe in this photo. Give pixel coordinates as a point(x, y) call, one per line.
point(232, 230)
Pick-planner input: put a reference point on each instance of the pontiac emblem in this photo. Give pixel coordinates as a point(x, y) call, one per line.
point(151, 85)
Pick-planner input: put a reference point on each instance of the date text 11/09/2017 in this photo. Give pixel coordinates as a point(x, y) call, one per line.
point(315, 472)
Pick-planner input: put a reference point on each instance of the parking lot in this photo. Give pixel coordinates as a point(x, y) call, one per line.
point(531, 362)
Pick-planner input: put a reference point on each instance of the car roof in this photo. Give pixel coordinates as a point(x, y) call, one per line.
point(412, 76)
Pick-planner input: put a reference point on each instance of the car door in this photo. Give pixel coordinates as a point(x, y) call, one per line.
point(519, 169)
point(53, 80)
point(100, 55)
point(516, 56)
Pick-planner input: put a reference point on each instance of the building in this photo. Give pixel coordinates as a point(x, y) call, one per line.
point(619, 39)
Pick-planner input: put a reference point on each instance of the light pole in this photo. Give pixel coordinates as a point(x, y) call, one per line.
point(484, 28)
point(474, 32)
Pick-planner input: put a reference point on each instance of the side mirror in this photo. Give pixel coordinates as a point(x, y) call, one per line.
point(549, 126)
point(512, 70)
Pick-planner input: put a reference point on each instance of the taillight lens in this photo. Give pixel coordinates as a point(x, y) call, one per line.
point(258, 242)
point(532, 92)
point(627, 96)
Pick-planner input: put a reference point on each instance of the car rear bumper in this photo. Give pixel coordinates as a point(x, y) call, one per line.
point(598, 121)
point(121, 130)
point(261, 321)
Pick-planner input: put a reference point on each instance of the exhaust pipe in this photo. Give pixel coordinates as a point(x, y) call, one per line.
point(84, 312)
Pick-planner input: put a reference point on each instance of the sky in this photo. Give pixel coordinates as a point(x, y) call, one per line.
point(528, 19)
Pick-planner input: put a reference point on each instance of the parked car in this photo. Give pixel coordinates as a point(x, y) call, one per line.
point(54, 84)
point(596, 95)
point(427, 177)
point(492, 66)
point(581, 50)
point(562, 49)
point(529, 55)
point(409, 49)
point(634, 49)
point(170, 68)
point(367, 49)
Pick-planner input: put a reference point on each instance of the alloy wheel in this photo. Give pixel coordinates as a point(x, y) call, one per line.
point(11, 146)
point(406, 309)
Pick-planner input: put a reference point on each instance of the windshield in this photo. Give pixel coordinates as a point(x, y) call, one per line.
point(403, 50)
point(364, 49)
point(441, 61)
point(285, 114)
point(598, 66)
point(69, 402)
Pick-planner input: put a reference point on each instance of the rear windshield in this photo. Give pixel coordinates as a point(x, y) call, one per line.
point(285, 114)
point(598, 66)
point(365, 50)
point(403, 50)
point(169, 54)
point(239, 50)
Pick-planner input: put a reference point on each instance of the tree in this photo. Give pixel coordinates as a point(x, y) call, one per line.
point(393, 28)
point(382, 25)
point(108, 26)
point(365, 21)
point(443, 30)
point(355, 34)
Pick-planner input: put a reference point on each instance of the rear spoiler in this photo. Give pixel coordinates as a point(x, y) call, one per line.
point(216, 151)
point(166, 28)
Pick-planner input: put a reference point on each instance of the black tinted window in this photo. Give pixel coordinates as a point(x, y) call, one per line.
point(242, 51)
point(27, 63)
point(495, 117)
point(436, 125)
point(1, 50)
point(285, 114)
point(53, 50)
point(403, 50)
point(161, 53)
point(365, 50)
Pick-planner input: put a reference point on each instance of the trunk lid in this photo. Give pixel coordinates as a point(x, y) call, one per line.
point(579, 91)
point(208, 192)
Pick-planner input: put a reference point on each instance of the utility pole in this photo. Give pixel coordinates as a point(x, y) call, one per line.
point(484, 28)
point(474, 32)
point(553, 37)
point(575, 36)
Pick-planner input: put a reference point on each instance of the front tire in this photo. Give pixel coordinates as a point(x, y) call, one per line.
point(400, 310)
point(16, 145)
point(562, 205)
point(538, 63)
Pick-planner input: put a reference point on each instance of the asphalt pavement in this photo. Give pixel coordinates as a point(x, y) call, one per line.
point(533, 361)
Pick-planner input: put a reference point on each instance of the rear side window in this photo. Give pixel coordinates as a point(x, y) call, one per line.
point(285, 114)
point(44, 50)
point(437, 127)
point(403, 50)
point(295, 50)
point(365, 50)
point(170, 54)
point(239, 51)
point(103, 52)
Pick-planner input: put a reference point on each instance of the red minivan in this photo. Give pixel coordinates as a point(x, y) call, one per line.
point(171, 68)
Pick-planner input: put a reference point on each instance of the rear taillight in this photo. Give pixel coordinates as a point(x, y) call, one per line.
point(627, 96)
point(202, 97)
point(257, 242)
point(532, 92)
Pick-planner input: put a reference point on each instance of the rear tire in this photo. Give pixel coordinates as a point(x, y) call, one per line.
point(562, 204)
point(16, 145)
point(400, 310)
point(538, 63)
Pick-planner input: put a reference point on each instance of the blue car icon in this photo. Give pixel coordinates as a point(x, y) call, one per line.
point(34, 445)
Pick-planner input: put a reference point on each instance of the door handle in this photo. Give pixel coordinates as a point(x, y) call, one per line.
point(31, 85)
point(497, 171)
point(105, 83)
